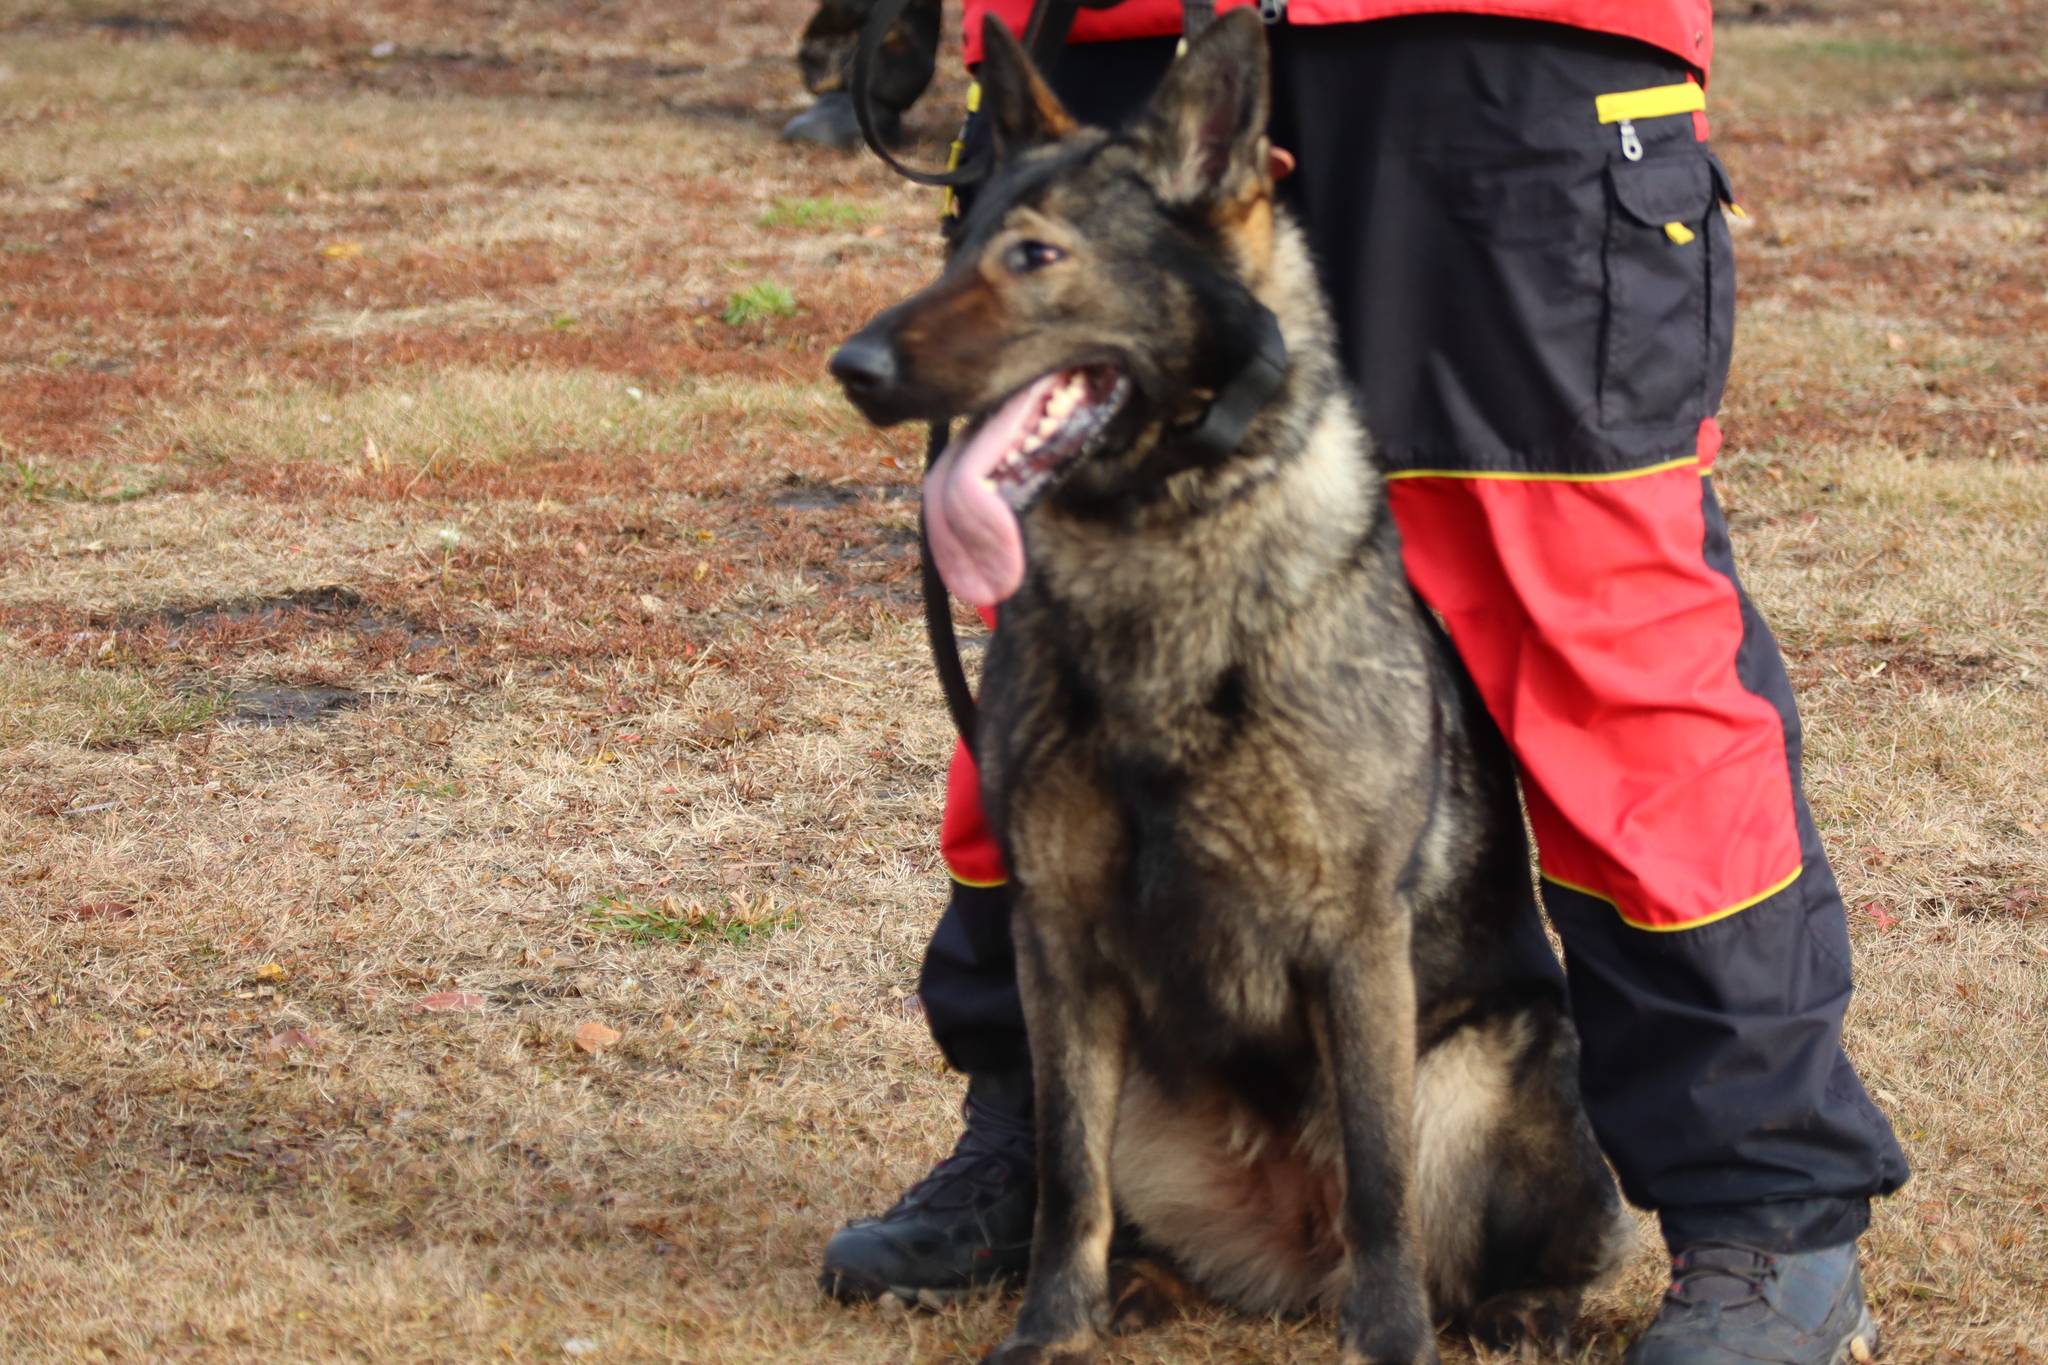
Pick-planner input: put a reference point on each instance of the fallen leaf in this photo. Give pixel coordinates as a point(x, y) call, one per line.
point(1885, 918)
point(450, 1000)
point(269, 971)
point(95, 910)
point(592, 1036)
point(721, 727)
point(291, 1040)
point(341, 251)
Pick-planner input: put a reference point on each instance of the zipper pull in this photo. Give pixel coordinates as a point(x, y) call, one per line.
point(1631, 145)
point(1272, 11)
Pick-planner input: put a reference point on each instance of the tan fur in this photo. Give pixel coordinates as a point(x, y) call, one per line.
point(1246, 1212)
point(1249, 1213)
point(1460, 1094)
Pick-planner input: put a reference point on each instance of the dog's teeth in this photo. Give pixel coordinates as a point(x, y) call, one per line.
point(1048, 424)
point(1032, 442)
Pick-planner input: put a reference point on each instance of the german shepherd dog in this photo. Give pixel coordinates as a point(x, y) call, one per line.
point(1274, 911)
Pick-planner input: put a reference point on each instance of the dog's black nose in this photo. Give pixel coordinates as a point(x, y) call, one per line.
point(865, 364)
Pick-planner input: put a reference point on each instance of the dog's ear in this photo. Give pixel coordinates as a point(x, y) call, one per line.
point(1020, 106)
point(1204, 134)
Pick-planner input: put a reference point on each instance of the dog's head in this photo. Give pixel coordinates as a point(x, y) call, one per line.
point(1100, 288)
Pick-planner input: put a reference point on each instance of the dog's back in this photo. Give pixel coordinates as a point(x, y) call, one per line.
point(1275, 925)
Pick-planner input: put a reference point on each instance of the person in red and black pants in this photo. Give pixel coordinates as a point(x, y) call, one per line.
point(1518, 219)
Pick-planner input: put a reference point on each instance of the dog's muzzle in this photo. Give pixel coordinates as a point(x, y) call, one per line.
point(866, 368)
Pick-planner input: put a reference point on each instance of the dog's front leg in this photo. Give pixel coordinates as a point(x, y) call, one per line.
point(1384, 1317)
point(1077, 1023)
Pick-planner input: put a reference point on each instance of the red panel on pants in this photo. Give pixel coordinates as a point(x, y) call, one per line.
point(965, 841)
point(1605, 647)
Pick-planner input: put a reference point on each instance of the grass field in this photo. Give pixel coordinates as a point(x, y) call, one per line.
point(434, 570)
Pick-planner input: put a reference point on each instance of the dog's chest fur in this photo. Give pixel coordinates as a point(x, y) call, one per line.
point(1196, 718)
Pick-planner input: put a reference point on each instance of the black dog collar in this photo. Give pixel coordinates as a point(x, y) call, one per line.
point(1258, 378)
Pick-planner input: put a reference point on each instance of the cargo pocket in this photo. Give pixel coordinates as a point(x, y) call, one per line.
point(1654, 352)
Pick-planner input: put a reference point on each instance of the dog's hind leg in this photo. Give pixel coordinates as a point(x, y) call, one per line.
point(1145, 1293)
point(1520, 1213)
point(1384, 1316)
point(1077, 1026)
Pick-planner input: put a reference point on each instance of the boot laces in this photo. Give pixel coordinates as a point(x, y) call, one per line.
point(1727, 1273)
point(993, 1148)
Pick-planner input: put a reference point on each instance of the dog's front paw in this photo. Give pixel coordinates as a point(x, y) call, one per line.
point(1388, 1348)
point(1526, 1323)
point(1017, 1351)
point(1423, 1355)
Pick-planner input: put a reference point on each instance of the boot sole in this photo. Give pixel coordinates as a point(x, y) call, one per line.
point(1865, 1336)
point(853, 1289)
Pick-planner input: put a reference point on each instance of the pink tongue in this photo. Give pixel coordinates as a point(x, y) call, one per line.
point(975, 538)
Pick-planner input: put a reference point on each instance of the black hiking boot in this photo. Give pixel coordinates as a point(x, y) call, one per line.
point(1734, 1305)
point(829, 122)
point(968, 1223)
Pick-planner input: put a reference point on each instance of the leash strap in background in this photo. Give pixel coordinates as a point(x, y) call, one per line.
point(1045, 37)
point(872, 33)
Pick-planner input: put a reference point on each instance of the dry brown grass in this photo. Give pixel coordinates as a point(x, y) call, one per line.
point(640, 731)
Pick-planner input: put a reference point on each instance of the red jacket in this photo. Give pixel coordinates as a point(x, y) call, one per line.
point(1685, 27)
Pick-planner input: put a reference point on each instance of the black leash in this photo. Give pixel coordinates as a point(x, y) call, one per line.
point(1221, 428)
point(938, 616)
point(1045, 38)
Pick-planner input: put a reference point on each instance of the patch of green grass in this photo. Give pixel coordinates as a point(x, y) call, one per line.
point(95, 707)
point(816, 213)
point(426, 787)
point(90, 483)
point(737, 919)
point(764, 300)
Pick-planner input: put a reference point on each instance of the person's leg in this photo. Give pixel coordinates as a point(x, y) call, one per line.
point(905, 66)
point(1539, 325)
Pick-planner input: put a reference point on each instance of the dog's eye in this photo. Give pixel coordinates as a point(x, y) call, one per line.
point(1026, 256)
